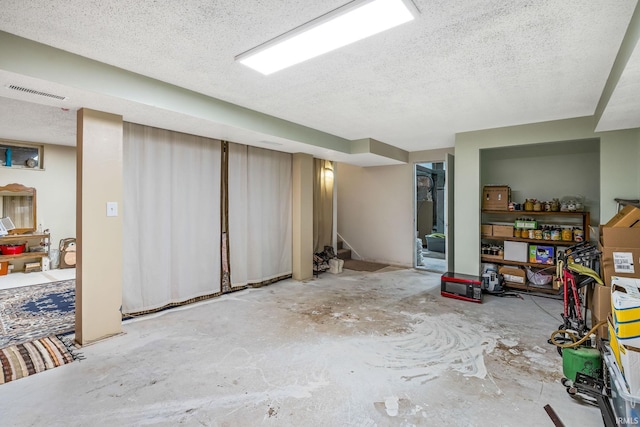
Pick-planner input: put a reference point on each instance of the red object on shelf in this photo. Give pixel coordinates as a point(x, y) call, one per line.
point(11, 249)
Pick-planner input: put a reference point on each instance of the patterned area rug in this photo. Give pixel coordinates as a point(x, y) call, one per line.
point(21, 360)
point(31, 312)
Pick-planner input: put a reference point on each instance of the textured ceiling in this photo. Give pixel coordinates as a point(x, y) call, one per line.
point(462, 65)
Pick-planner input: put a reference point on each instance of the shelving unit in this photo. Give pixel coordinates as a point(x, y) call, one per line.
point(576, 218)
point(31, 240)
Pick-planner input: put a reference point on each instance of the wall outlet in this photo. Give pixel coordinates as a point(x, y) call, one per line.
point(112, 208)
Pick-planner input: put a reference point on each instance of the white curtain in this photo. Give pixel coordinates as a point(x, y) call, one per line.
point(20, 210)
point(322, 204)
point(260, 215)
point(171, 217)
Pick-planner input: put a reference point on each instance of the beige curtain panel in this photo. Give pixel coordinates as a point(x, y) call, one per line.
point(322, 204)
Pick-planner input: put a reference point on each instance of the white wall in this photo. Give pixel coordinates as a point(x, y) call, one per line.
point(376, 209)
point(619, 169)
point(55, 190)
point(618, 166)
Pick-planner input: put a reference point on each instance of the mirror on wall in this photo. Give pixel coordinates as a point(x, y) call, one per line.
point(19, 203)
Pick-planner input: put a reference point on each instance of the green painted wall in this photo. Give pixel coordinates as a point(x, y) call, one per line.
point(619, 153)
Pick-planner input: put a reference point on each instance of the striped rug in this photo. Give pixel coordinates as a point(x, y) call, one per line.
point(29, 358)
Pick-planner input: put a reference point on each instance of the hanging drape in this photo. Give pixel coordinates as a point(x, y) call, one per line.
point(171, 218)
point(322, 204)
point(260, 215)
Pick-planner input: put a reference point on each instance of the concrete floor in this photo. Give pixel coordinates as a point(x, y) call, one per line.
point(356, 349)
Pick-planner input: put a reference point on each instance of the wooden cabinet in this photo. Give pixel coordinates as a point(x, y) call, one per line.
point(33, 240)
point(563, 219)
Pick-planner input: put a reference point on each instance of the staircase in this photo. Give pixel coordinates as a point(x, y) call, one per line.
point(343, 253)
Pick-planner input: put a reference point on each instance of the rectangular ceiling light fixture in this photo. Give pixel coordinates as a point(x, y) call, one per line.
point(354, 21)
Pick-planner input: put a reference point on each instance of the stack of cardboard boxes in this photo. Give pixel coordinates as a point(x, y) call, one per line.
point(620, 247)
point(617, 302)
point(624, 329)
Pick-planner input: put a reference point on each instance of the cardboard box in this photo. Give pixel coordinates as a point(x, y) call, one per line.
point(630, 367)
point(496, 197)
point(620, 237)
point(626, 330)
point(516, 251)
point(603, 330)
point(625, 299)
point(513, 274)
point(486, 229)
point(619, 261)
point(541, 254)
point(599, 302)
point(613, 340)
point(629, 216)
point(502, 230)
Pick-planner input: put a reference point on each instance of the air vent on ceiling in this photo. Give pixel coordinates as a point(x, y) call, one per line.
point(36, 92)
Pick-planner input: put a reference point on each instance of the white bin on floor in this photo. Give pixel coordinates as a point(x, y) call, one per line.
point(335, 265)
point(54, 255)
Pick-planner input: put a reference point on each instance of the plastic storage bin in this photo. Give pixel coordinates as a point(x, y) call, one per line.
point(625, 405)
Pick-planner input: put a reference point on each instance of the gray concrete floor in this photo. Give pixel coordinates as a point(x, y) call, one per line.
point(355, 349)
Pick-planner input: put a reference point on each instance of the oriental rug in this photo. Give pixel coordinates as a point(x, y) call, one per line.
point(29, 358)
point(31, 312)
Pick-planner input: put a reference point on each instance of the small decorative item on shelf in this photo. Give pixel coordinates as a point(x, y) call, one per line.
point(555, 205)
point(572, 204)
point(547, 206)
point(578, 234)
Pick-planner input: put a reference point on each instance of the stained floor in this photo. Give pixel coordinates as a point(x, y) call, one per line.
point(355, 349)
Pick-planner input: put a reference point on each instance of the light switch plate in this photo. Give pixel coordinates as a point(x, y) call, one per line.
point(112, 208)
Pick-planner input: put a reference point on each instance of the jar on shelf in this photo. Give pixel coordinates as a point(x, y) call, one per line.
point(547, 206)
point(516, 232)
point(538, 234)
point(537, 206)
point(546, 234)
point(555, 234)
point(555, 205)
point(567, 234)
point(528, 205)
point(578, 234)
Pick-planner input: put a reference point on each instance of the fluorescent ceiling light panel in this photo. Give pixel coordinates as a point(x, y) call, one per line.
point(354, 21)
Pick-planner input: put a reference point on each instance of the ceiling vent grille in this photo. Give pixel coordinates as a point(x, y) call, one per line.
point(36, 92)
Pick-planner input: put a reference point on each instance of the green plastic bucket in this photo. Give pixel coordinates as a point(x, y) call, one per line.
point(581, 359)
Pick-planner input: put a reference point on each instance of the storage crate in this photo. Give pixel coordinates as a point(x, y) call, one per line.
point(625, 404)
point(496, 197)
point(502, 230)
point(513, 274)
point(486, 229)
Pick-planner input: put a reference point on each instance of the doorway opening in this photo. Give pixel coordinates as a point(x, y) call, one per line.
point(430, 216)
